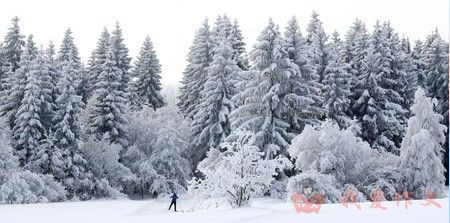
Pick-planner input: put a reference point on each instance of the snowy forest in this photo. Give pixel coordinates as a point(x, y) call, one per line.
point(301, 112)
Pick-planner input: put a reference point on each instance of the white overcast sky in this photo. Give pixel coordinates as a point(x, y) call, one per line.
point(172, 23)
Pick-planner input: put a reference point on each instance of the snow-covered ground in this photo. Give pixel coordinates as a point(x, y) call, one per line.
point(261, 210)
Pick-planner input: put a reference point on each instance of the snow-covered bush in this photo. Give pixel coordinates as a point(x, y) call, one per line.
point(18, 186)
point(9, 163)
point(167, 159)
point(329, 150)
point(16, 191)
point(351, 193)
point(27, 187)
point(102, 189)
point(103, 160)
point(53, 190)
point(313, 183)
point(421, 150)
point(158, 155)
point(235, 175)
point(48, 158)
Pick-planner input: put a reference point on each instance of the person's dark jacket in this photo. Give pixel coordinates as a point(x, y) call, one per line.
point(174, 197)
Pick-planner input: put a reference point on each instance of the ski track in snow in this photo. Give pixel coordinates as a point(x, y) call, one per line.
point(260, 210)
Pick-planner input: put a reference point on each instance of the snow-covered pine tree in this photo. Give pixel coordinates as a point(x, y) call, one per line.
point(68, 50)
point(97, 59)
point(355, 50)
point(13, 45)
point(107, 118)
point(231, 30)
point(48, 93)
point(34, 116)
point(422, 150)
point(398, 62)
point(261, 113)
point(4, 67)
point(12, 52)
point(194, 75)
point(394, 81)
point(120, 51)
point(147, 72)
point(68, 53)
point(435, 59)
point(378, 107)
point(410, 73)
point(305, 87)
point(211, 124)
point(13, 95)
point(222, 27)
point(238, 45)
point(28, 128)
point(337, 85)
point(50, 54)
point(316, 40)
point(418, 63)
point(77, 177)
point(406, 45)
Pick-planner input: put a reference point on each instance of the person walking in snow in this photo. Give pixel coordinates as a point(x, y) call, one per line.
point(174, 201)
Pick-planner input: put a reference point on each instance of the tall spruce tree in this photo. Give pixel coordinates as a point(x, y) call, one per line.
point(316, 40)
point(77, 177)
point(4, 66)
point(13, 45)
point(28, 128)
point(97, 60)
point(34, 116)
point(261, 113)
point(194, 75)
point(305, 87)
point(411, 72)
point(147, 70)
point(68, 53)
point(122, 59)
point(50, 55)
point(337, 85)
point(13, 95)
point(356, 46)
point(48, 90)
point(394, 81)
point(211, 124)
point(435, 59)
point(418, 63)
point(222, 26)
point(378, 107)
point(107, 120)
point(238, 46)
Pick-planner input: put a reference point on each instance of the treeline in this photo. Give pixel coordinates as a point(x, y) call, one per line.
point(286, 90)
point(75, 131)
point(299, 111)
